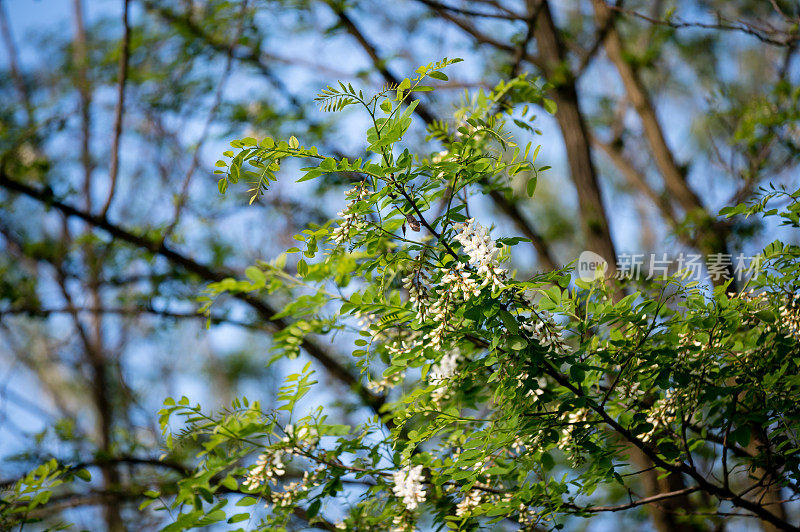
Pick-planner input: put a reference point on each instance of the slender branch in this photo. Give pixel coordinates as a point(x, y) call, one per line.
point(13, 63)
point(241, 53)
point(371, 50)
point(184, 193)
point(264, 310)
point(470, 12)
point(84, 92)
point(127, 311)
point(119, 112)
point(788, 37)
point(640, 502)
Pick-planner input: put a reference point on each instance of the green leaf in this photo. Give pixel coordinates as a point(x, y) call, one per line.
point(577, 373)
point(313, 509)
point(438, 75)
point(517, 343)
point(509, 321)
point(246, 501)
point(530, 188)
point(256, 275)
point(302, 268)
point(236, 518)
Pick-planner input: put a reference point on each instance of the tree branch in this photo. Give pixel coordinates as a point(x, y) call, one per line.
point(263, 309)
point(765, 35)
point(122, 78)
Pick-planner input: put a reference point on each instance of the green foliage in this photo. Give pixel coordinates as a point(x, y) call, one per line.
point(497, 398)
point(20, 500)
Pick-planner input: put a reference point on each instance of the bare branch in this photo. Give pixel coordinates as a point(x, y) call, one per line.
point(640, 502)
point(506, 15)
point(184, 193)
point(264, 310)
point(768, 35)
point(122, 78)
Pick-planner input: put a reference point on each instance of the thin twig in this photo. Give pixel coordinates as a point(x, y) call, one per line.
point(122, 75)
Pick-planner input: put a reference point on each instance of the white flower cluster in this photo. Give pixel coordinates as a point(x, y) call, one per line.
point(386, 382)
point(401, 524)
point(459, 281)
point(408, 486)
point(483, 253)
point(518, 445)
point(402, 347)
point(414, 282)
point(468, 503)
point(573, 422)
point(445, 368)
point(527, 517)
point(305, 436)
point(268, 467)
point(546, 331)
point(441, 157)
point(350, 221)
point(292, 490)
point(661, 415)
point(439, 305)
point(440, 311)
point(790, 317)
point(441, 372)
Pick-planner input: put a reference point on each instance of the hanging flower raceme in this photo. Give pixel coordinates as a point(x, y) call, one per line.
point(468, 503)
point(441, 372)
point(546, 331)
point(408, 486)
point(351, 221)
point(483, 253)
point(268, 467)
point(305, 436)
point(461, 282)
point(414, 282)
point(445, 368)
point(790, 317)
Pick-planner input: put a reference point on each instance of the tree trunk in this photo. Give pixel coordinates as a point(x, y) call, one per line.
point(594, 222)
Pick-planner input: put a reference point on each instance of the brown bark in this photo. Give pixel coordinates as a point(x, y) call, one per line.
point(710, 236)
point(576, 138)
point(93, 343)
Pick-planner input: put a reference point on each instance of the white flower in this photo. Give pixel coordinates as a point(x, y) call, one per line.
point(408, 486)
point(483, 253)
point(472, 500)
point(268, 467)
point(414, 282)
point(461, 282)
point(445, 369)
point(441, 372)
point(546, 331)
point(304, 436)
point(572, 422)
point(350, 221)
